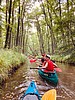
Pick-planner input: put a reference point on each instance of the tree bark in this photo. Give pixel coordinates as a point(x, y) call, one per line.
point(40, 36)
point(17, 37)
point(8, 26)
point(0, 27)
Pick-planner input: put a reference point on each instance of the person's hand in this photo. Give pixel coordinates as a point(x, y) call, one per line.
point(40, 66)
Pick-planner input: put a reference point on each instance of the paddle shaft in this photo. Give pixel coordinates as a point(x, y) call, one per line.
point(34, 68)
point(56, 69)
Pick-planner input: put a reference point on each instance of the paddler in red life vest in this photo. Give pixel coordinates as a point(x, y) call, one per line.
point(49, 66)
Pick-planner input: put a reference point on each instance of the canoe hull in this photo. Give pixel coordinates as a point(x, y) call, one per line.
point(50, 77)
point(49, 95)
point(31, 93)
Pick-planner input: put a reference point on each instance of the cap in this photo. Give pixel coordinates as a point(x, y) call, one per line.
point(48, 56)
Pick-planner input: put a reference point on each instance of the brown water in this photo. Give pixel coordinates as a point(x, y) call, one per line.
point(18, 83)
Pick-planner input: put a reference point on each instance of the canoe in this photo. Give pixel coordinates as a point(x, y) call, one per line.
point(49, 76)
point(49, 95)
point(31, 93)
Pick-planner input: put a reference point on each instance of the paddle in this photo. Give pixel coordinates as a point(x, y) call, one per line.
point(49, 95)
point(32, 60)
point(56, 69)
point(36, 68)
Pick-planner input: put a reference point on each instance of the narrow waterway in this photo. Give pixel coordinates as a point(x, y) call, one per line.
point(19, 81)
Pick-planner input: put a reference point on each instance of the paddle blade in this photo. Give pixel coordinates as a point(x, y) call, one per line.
point(49, 95)
point(57, 69)
point(32, 60)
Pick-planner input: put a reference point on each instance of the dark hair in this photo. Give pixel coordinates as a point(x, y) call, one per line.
point(42, 60)
point(43, 55)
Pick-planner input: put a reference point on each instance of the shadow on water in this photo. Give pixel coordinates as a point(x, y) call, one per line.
point(19, 81)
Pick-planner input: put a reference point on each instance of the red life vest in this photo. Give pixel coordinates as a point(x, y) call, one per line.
point(50, 66)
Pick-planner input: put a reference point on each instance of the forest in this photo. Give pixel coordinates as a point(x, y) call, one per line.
point(34, 27)
point(30, 28)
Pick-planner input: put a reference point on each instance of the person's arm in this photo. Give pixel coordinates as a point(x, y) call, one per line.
point(45, 65)
point(55, 65)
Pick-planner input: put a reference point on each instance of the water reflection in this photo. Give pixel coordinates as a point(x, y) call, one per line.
point(18, 83)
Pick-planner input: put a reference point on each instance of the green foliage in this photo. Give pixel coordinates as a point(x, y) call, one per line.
point(63, 28)
point(8, 60)
point(67, 56)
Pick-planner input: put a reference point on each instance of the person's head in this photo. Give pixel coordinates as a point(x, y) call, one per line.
point(47, 56)
point(43, 55)
point(42, 60)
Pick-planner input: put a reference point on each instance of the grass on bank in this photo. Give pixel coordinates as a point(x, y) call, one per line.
point(8, 60)
point(67, 57)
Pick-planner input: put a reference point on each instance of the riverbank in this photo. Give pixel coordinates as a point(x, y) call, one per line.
point(9, 62)
point(65, 56)
point(70, 58)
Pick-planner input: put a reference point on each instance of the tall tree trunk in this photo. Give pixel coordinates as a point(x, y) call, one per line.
point(51, 30)
point(22, 26)
point(0, 28)
point(15, 19)
point(18, 30)
point(12, 24)
point(68, 25)
point(61, 25)
point(40, 36)
point(49, 23)
point(8, 26)
point(72, 39)
point(0, 21)
point(23, 51)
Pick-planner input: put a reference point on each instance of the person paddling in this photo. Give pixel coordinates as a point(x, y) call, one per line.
point(49, 66)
